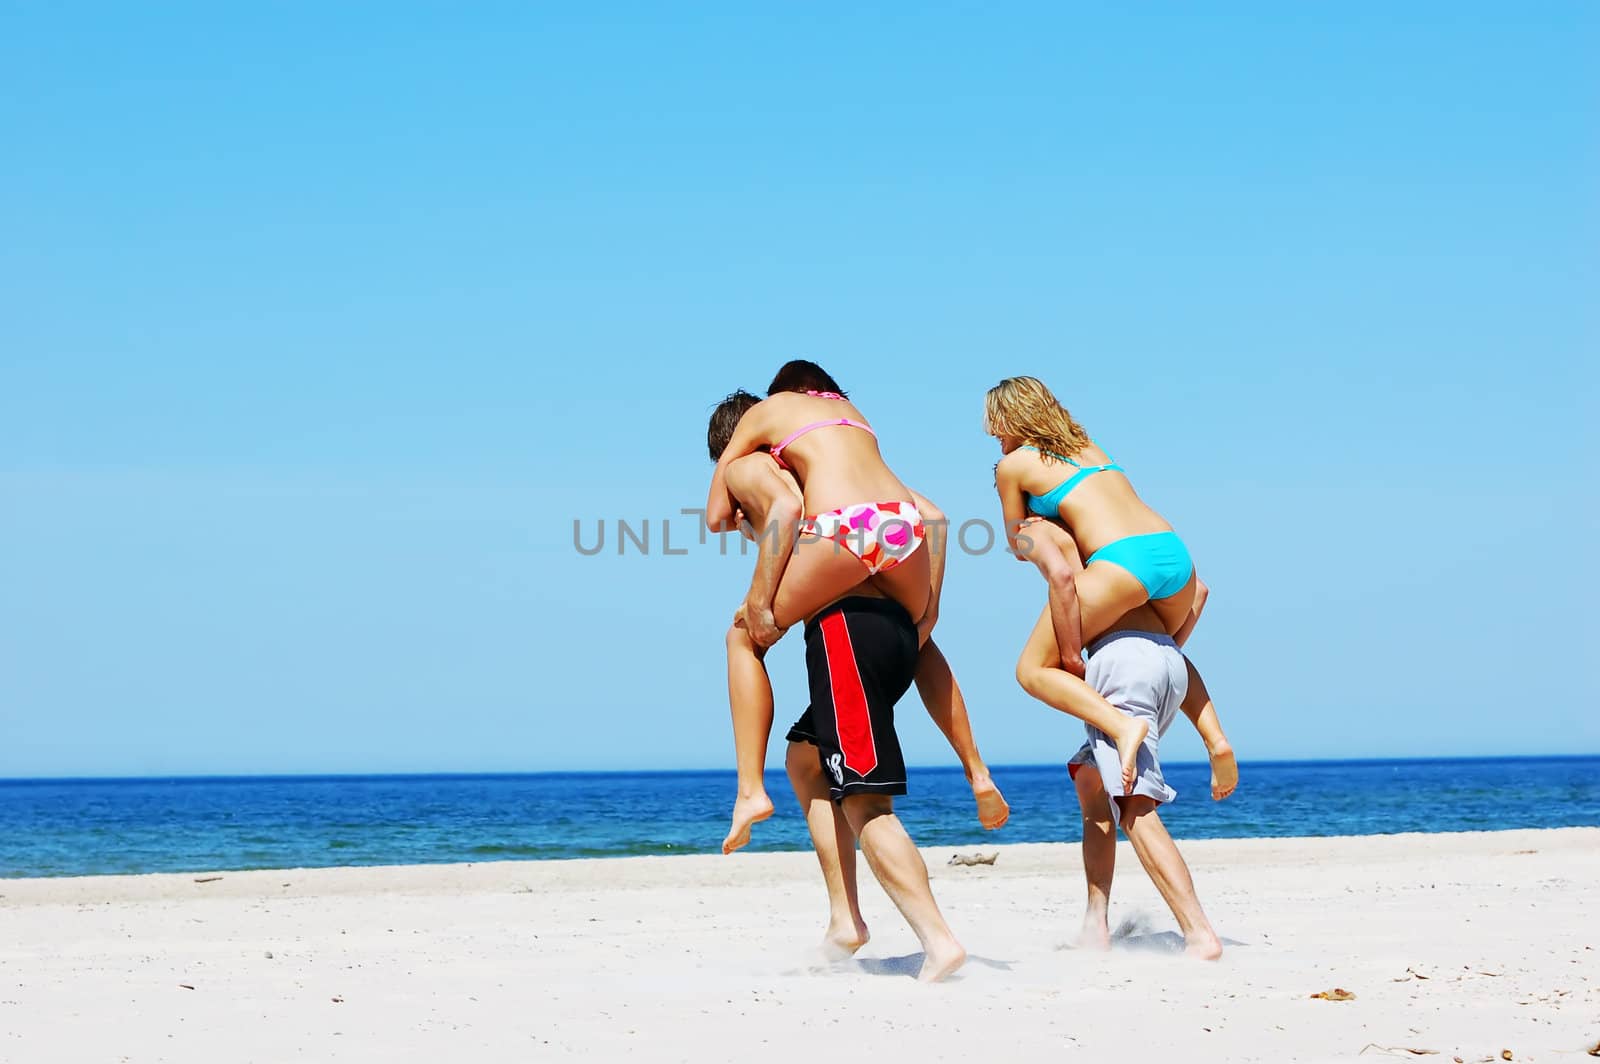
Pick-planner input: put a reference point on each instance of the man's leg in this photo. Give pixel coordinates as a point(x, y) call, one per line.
point(941, 696)
point(836, 851)
point(1099, 856)
point(894, 860)
point(1161, 859)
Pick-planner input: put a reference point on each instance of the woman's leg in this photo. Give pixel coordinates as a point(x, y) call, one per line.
point(1177, 612)
point(822, 571)
point(1186, 629)
point(1197, 706)
point(936, 684)
point(818, 573)
point(1084, 602)
point(1040, 673)
point(750, 698)
point(761, 489)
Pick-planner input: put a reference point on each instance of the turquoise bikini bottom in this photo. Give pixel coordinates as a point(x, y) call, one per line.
point(1159, 561)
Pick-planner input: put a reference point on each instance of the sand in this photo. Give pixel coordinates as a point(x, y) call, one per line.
point(1466, 944)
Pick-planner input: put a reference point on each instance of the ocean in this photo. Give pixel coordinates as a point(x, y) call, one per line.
point(100, 826)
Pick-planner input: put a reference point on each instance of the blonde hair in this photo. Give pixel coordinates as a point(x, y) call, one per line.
point(1022, 407)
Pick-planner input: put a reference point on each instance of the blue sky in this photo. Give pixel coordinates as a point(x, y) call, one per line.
point(322, 326)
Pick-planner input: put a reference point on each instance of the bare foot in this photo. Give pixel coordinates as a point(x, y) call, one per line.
point(1202, 945)
point(746, 811)
point(993, 812)
point(1128, 751)
point(940, 962)
point(1224, 771)
point(842, 940)
point(1096, 933)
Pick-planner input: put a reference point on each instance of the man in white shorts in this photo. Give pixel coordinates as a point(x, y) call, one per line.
point(1139, 669)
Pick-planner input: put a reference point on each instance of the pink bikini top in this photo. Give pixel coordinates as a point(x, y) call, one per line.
point(777, 452)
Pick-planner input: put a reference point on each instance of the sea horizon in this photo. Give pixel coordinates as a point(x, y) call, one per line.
point(221, 777)
point(71, 826)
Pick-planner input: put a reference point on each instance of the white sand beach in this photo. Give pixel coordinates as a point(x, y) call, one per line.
point(1467, 945)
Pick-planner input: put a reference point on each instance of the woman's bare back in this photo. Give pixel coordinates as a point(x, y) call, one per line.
point(836, 462)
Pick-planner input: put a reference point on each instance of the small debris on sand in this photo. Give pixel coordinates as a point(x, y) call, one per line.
point(974, 858)
point(1338, 993)
point(1399, 1051)
point(208, 879)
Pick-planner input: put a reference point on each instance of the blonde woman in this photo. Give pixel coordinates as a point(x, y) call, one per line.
point(1053, 477)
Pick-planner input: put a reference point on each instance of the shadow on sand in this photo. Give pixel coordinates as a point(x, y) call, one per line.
point(1137, 934)
point(1150, 942)
point(911, 964)
point(1161, 942)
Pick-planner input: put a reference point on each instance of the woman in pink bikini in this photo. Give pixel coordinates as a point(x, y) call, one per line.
point(855, 521)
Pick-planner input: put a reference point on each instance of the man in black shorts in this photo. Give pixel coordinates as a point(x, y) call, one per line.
point(862, 654)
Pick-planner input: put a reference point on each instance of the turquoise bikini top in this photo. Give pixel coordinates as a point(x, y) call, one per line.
point(1049, 504)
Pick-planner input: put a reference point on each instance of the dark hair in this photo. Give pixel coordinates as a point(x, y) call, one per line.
point(725, 418)
point(799, 375)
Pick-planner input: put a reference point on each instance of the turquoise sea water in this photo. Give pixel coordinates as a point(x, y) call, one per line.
point(80, 827)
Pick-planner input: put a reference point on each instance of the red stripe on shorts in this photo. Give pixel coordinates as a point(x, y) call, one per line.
point(850, 714)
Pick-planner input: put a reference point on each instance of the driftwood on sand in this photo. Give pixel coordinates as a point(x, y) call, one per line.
point(974, 858)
